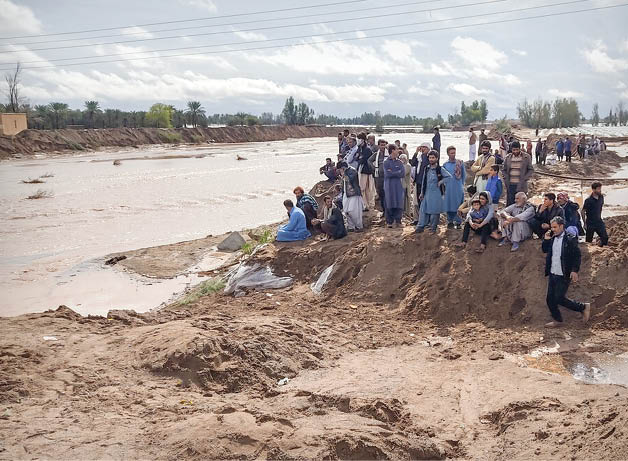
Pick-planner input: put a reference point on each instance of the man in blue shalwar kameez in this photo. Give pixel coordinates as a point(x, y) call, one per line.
point(454, 193)
point(296, 228)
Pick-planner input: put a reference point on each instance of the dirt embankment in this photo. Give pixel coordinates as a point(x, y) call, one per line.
point(29, 142)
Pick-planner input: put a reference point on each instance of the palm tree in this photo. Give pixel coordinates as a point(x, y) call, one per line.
point(91, 107)
point(58, 109)
point(194, 110)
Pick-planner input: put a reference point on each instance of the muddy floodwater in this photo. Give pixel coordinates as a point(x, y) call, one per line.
point(52, 249)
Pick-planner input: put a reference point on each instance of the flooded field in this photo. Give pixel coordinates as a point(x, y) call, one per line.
point(51, 249)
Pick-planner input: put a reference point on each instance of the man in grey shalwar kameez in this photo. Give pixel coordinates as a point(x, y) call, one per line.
point(432, 193)
point(514, 221)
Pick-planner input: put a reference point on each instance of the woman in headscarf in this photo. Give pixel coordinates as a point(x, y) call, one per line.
point(407, 185)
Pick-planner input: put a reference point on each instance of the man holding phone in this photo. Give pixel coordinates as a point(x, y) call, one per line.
point(562, 265)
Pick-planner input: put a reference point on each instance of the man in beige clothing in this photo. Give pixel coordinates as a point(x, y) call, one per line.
point(482, 165)
point(473, 142)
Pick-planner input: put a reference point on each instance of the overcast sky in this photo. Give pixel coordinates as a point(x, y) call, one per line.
point(413, 71)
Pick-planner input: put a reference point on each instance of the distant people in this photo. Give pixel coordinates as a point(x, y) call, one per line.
point(562, 265)
point(394, 172)
point(436, 139)
point(351, 197)
point(571, 214)
point(529, 147)
point(432, 193)
point(365, 173)
point(338, 196)
point(332, 223)
point(560, 149)
point(454, 192)
point(341, 143)
point(581, 146)
point(494, 185)
point(499, 160)
point(308, 204)
point(407, 185)
point(479, 219)
point(567, 147)
point(376, 161)
point(482, 166)
point(538, 151)
point(511, 139)
point(546, 211)
point(517, 172)
point(592, 215)
point(503, 146)
point(483, 136)
point(473, 139)
point(295, 229)
point(329, 170)
point(514, 221)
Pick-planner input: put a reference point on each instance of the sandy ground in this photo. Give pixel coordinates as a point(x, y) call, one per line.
point(414, 350)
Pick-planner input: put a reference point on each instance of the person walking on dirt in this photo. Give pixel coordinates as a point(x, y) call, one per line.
point(472, 144)
point(517, 172)
point(560, 149)
point(538, 151)
point(592, 215)
point(562, 265)
point(547, 211)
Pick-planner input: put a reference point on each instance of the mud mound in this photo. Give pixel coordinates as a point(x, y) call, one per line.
point(29, 142)
point(426, 277)
point(604, 164)
point(225, 354)
point(583, 430)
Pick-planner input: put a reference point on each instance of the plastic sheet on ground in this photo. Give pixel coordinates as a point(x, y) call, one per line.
point(317, 287)
point(254, 277)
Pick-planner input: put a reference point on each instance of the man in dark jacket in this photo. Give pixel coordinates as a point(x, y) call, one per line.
point(562, 265)
point(572, 215)
point(592, 215)
point(436, 139)
point(376, 161)
point(419, 164)
point(548, 210)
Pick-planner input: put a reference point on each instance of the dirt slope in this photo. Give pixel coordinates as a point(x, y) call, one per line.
point(29, 142)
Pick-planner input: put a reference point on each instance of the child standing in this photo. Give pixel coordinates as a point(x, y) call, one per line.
point(494, 185)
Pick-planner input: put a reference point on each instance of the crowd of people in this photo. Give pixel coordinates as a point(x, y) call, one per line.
point(372, 174)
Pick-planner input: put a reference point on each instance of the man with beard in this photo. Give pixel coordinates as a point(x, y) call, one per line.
point(377, 166)
point(419, 164)
point(432, 193)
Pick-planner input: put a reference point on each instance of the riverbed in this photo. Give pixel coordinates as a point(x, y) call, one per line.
point(52, 249)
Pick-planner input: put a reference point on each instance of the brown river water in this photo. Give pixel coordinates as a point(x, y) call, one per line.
point(52, 249)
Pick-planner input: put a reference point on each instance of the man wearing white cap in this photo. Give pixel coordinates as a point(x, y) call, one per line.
point(419, 164)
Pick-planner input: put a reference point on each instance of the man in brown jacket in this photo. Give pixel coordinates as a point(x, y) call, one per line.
point(517, 171)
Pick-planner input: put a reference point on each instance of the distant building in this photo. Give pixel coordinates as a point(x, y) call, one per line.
point(11, 123)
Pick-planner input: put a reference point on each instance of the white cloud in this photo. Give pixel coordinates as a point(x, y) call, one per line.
point(360, 34)
point(207, 5)
point(624, 45)
point(415, 89)
point(139, 32)
point(467, 90)
point(520, 52)
point(17, 19)
point(601, 62)
point(402, 55)
point(510, 79)
point(143, 85)
point(20, 54)
point(478, 54)
point(564, 93)
point(621, 85)
point(249, 36)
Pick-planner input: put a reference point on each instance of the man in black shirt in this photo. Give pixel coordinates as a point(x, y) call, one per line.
point(548, 210)
point(592, 215)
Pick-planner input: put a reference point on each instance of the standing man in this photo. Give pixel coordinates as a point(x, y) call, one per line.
point(419, 164)
point(352, 205)
point(592, 215)
point(517, 172)
point(483, 136)
point(454, 192)
point(352, 152)
point(538, 151)
point(560, 149)
point(367, 182)
point(562, 265)
point(482, 166)
point(370, 143)
point(432, 193)
point(394, 172)
point(473, 139)
point(436, 139)
point(568, 149)
point(377, 165)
